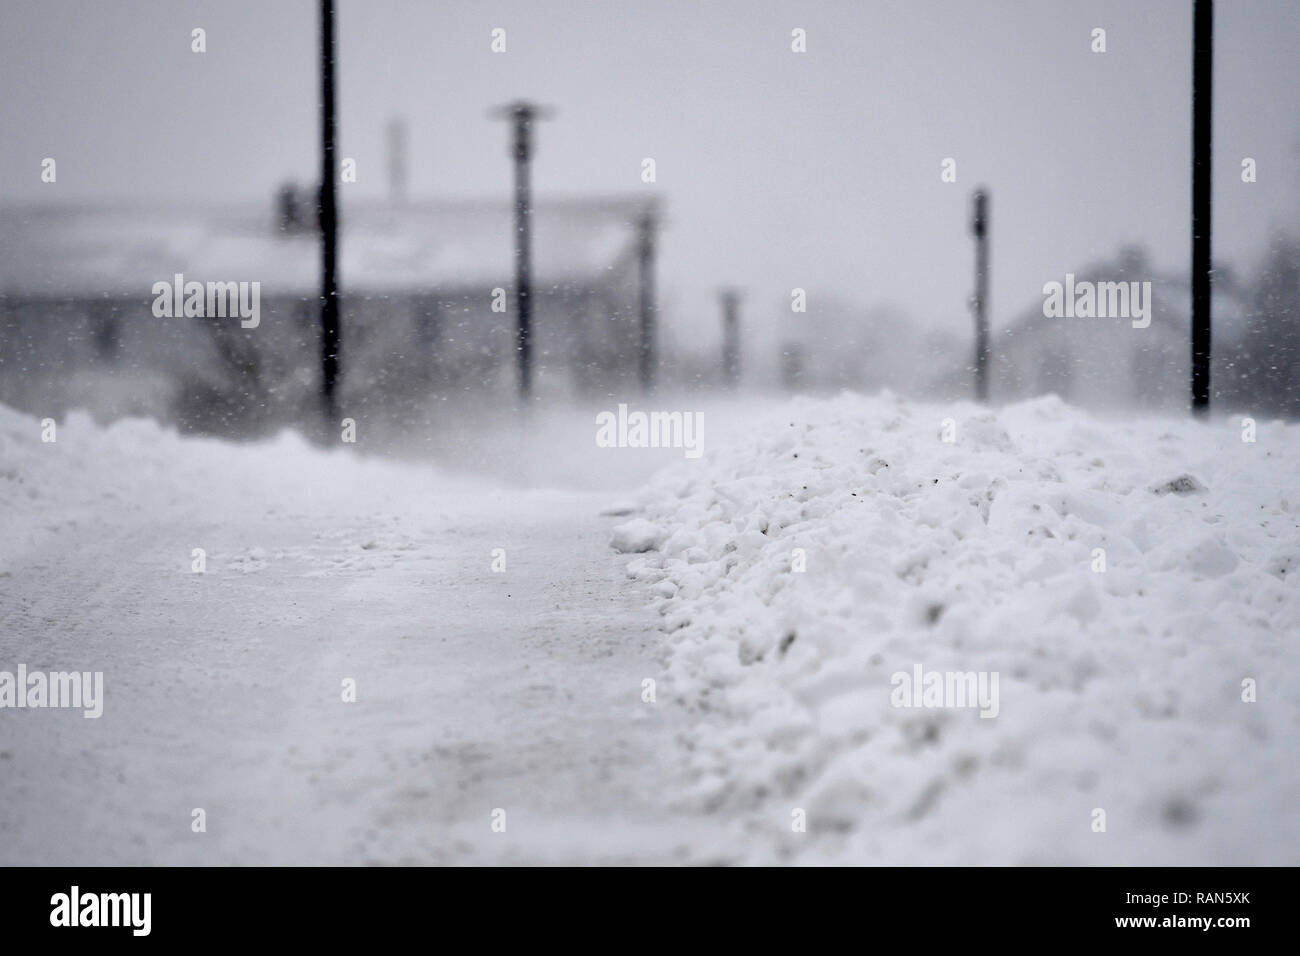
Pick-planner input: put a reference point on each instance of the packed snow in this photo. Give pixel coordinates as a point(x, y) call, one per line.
point(1125, 580)
point(497, 654)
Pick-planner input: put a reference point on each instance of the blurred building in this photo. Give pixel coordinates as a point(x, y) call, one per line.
point(419, 279)
point(1106, 363)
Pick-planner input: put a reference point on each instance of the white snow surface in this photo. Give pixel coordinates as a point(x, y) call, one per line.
point(523, 690)
point(1120, 690)
point(223, 690)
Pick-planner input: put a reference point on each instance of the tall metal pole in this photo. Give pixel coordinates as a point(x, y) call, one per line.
point(646, 304)
point(397, 160)
point(730, 337)
point(522, 114)
point(979, 302)
point(524, 248)
point(330, 337)
point(1202, 112)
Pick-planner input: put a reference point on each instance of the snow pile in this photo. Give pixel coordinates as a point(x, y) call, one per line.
point(1121, 578)
point(81, 475)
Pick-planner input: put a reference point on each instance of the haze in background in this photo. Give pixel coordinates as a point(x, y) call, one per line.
point(818, 170)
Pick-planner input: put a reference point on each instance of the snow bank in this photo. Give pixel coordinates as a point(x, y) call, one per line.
point(133, 473)
point(1120, 684)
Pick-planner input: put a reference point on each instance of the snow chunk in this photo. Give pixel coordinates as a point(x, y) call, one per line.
point(1182, 485)
point(636, 536)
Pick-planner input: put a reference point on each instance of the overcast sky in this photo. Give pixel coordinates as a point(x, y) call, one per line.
point(819, 170)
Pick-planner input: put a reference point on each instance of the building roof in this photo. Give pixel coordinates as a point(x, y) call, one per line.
point(97, 250)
